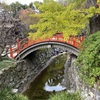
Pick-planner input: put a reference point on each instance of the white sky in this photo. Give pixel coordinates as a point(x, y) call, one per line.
point(21, 1)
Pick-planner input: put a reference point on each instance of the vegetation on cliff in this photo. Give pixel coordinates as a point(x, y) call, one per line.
point(89, 60)
point(6, 94)
point(65, 96)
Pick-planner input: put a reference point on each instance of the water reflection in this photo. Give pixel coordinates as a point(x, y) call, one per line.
point(49, 81)
point(56, 88)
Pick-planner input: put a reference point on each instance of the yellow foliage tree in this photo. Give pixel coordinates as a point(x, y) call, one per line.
point(55, 17)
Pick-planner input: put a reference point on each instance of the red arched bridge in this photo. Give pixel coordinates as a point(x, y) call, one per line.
point(27, 46)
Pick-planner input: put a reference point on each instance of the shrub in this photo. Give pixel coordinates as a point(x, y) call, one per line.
point(6, 94)
point(65, 96)
point(89, 60)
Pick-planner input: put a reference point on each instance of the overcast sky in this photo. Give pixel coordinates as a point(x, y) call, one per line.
point(21, 1)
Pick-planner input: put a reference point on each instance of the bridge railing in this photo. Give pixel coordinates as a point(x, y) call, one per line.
point(25, 43)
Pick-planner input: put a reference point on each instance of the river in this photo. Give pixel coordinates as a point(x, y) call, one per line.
point(50, 81)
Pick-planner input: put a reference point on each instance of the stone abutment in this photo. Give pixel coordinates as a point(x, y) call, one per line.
point(25, 71)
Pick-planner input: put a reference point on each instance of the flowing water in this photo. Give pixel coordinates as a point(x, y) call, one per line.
point(50, 81)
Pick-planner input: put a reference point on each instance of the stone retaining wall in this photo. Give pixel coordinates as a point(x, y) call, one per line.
point(76, 83)
point(24, 72)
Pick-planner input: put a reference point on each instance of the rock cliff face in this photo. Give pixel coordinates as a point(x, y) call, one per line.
point(76, 83)
point(95, 24)
point(89, 3)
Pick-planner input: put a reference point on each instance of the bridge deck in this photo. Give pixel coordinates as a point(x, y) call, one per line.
point(25, 43)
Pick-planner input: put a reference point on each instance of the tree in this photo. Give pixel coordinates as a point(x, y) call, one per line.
point(31, 6)
point(4, 6)
point(10, 31)
point(46, 1)
point(27, 19)
point(37, 4)
point(98, 1)
point(24, 6)
point(15, 7)
point(55, 17)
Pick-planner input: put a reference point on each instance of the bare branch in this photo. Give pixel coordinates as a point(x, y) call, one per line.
point(10, 30)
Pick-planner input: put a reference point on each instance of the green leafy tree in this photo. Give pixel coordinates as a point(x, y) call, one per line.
point(46, 1)
point(31, 6)
point(89, 59)
point(24, 16)
point(5, 6)
point(24, 6)
point(15, 7)
point(55, 17)
point(37, 4)
point(98, 1)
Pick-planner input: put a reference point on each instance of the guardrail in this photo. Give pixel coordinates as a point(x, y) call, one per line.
point(25, 43)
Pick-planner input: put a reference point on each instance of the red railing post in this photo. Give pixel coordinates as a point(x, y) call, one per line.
point(82, 38)
point(11, 52)
point(72, 40)
point(18, 46)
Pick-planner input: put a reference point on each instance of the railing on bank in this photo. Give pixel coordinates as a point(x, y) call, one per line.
point(25, 43)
